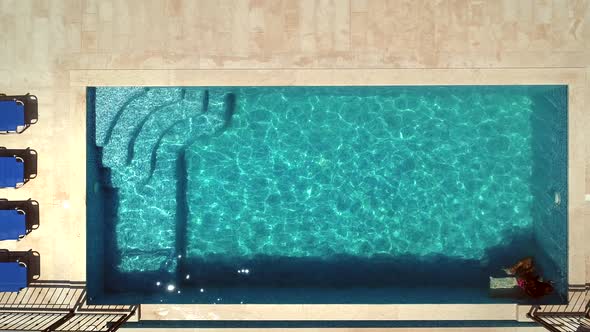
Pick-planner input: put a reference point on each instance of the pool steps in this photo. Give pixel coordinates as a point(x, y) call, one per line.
point(149, 123)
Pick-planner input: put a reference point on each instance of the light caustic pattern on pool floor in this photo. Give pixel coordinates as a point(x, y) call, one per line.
point(317, 172)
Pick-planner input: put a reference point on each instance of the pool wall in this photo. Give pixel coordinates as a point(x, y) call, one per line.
point(95, 199)
point(550, 230)
point(101, 206)
point(550, 138)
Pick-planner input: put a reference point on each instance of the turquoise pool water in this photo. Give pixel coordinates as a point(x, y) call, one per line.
point(221, 187)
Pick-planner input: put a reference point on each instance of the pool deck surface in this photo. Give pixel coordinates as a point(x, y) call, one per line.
point(54, 49)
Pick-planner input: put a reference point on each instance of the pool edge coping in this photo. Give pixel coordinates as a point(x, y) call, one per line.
point(574, 77)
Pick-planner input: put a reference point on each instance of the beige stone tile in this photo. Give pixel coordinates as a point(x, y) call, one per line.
point(308, 42)
point(425, 34)
point(587, 232)
point(586, 138)
point(255, 22)
point(5, 78)
point(509, 10)
point(90, 6)
point(88, 41)
point(105, 10)
point(71, 10)
point(582, 11)
point(120, 42)
point(41, 8)
point(105, 37)
point(359, 22)
point(6, 56)
point(151, 61)
point(292, 23)
point(89, 22)
point(41, 41)
point(240, 28)
point(57, 29)
point(86, 60)
point(174, 8)
point(73, 37)
point(324, 34)
point(138, 26)
point(377, 27)
point(122, 21)
point(570, 76)
point(6, 6)
point(340, 27)
point(580, 14)
point(543, 10)
point(450, 32)
point(33, 80)
point(23, 9)
point(328, 312)
point(357, 6)
point(266, 28)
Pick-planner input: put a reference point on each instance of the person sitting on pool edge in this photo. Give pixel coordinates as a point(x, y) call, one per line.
point(527, 278)
point(523, 274)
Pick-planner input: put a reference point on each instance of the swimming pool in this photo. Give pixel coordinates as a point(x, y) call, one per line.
point(323, 194)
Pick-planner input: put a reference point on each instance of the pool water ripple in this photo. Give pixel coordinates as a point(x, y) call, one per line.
point(249, 175)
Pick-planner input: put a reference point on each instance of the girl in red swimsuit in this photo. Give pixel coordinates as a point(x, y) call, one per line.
point(528, 279)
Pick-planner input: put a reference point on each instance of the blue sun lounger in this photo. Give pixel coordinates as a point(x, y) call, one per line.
point(12, 172)
point(13, 225)
point(18, 269)
point(17, 167)
point(13, 277)
point(18, 218)
point(17, 113)
point(12, 115)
